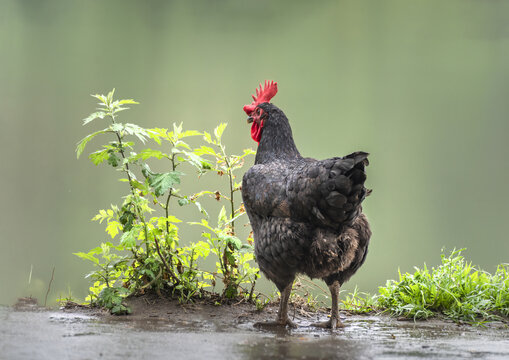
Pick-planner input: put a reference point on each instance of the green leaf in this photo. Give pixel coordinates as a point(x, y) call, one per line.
point(110, 96)
point(204, 150)
point(181, 144)
point(93, 116)
point(161, 182)
point(117, 127)
point(139, 132)
point(113, 228)
point(157, 134)
point(99, 156)
point(101, 98)
point(86, 256)
point(249, 152)
point(208, 138)
point(183, 201)
point(113, 159)
point(149, 153)
point(201, 209)
point(127, 219)
point(127, 101)
point(234, 241)
point(177, 129)
point(198, 162)
point(83, 142)
point(118, 109)
point(221, 218)
point(188, 133)
point(128, 239)
point(218, 131)
point(230, 258)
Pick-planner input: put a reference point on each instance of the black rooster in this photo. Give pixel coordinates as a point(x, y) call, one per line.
point(306, 214)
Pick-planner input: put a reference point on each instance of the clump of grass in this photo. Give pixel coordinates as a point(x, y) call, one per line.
point(360, 302)
point(455, 289)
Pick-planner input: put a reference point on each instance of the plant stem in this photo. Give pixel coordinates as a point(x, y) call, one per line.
point(170, 271)
point(121, 150)
point(133, 191)
point(167, 208)
point(49, 286)
point(230, 177)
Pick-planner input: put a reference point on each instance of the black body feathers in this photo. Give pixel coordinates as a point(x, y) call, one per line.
point(306, 214)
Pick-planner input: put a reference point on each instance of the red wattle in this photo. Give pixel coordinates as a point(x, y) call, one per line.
point(256, 131)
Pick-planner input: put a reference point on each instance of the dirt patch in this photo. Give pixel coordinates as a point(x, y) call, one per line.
point(154, 308)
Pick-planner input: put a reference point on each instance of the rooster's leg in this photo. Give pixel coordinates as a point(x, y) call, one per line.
point(334, 321)
point(282, 314)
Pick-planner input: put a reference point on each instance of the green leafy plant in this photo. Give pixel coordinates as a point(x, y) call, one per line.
point(234, 257)
point(455, 289)
point(149, 254)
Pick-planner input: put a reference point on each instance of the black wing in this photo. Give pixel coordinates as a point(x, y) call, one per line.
point(327, 193)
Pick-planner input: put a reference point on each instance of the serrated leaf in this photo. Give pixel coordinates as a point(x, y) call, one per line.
point(208, 138)
point(218, 131)
point(157, 134)
point(161, 182)
point(127, 101)
point(221, 217)
point(183, 201)
point(201, 209)
point(188, 133)
point(128, 239)
point(99, 156)
point(113, 159)
point(127, 219)
point(110, 96)
point(83, 142)
point(119, 109)
point(101, 98)
point(182, 145)
point(113, 228)
point(86, 256)
point(198, 162)
point(93, 116)
point(148, 153)
point(234, 241)
point(230, 258)
point(177, 129)
point(117, 127)
point(139, 132)
point(204, 150)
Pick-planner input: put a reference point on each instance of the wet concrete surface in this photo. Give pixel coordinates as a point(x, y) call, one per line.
point(43, 334)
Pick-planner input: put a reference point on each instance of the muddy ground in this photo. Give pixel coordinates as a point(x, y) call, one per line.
point(163, 329)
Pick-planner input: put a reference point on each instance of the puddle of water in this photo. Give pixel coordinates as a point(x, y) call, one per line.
point(51, 335)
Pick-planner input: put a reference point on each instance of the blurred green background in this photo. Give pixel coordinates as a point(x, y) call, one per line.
point(422, 85)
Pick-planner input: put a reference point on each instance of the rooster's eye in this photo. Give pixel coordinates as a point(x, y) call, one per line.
point(257, 111)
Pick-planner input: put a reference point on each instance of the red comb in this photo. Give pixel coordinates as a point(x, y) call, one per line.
point(262, 95)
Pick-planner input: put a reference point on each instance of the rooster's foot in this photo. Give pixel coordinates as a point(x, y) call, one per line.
point(330, 324)
point(275, 324)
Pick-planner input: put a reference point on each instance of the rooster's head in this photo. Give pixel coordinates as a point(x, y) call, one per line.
point(256, 110)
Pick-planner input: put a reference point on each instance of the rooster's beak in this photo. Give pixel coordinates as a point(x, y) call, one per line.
point(249, 120)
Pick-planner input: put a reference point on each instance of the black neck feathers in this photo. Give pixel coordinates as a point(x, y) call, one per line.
point(276, 142)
